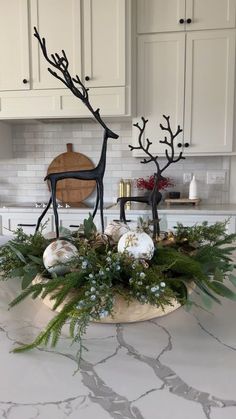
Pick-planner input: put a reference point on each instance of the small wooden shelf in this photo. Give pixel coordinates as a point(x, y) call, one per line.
point(170, 201)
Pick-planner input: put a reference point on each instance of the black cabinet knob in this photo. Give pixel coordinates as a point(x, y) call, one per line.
point(181, 21)
point(87, 78)
point(25, 81)
point(189, 20)
point(186, 144)
point(179, 145)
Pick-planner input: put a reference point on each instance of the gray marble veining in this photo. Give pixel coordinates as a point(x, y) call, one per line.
point(179, 366)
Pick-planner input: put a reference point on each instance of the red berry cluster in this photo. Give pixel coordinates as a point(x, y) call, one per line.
point(148, 183)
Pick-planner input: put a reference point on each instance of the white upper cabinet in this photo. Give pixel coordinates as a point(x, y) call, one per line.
point(210, 14)
point(160, 85)
point(178, 15)
point(160, 15)
point(59, 23)
point(96, 36)
point(209, 91)
point(104, 42)
point(189, 77)
point(14, 45)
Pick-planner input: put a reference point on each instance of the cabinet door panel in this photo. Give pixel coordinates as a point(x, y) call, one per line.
point(14, 45)
point(160, 15)
point(160, 85)
point(210, 63)
point(104, 42)
point(210, 14)
point(59, 22)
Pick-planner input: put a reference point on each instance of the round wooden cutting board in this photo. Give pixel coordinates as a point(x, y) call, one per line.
point(71, 191)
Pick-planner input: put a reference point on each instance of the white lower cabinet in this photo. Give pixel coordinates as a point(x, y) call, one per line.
point(72, 221)
point(28, 221)
point(168, 222)
point(10, 221)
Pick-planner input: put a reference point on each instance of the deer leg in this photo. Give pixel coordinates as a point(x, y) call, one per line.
point(54, 204)
point(100, 189)
point(43, 213)
point(97, 201)
point(156, 225)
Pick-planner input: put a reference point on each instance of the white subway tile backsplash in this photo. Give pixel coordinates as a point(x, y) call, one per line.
point(35, 145)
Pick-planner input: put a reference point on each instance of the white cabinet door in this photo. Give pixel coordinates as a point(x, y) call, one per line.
point(210, 14)
point(59, 22)
point(160, 15)
point(104, 42)
point(14, 45)
point(209, 91)
point(160, 85)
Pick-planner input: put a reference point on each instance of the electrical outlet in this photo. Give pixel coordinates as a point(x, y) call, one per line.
point(187, 177)
point(216, 177)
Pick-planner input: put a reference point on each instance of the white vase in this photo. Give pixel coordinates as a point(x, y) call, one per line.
point(193, 188)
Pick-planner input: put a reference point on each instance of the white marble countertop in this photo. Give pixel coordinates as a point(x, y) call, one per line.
point(181, 366)
point(109, 208)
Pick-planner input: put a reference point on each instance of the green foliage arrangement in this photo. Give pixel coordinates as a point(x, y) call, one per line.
point(201, 254)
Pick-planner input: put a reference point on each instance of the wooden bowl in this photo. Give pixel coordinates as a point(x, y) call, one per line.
point(123, 311)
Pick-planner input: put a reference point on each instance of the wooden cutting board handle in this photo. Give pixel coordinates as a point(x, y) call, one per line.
point(69, 147)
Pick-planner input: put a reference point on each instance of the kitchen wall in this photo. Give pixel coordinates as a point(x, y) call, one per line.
point(36, 144)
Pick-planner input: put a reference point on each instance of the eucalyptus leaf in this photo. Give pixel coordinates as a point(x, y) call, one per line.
point(222, 290)
point(232, 279)
point(30, 274)
point(36, 259)
point(17, 272)
point(17, 252)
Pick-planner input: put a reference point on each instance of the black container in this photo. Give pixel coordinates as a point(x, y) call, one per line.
point(174, 195)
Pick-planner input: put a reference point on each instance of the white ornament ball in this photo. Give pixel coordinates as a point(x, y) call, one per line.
point(115, 230)
point(56, 254)
point(138, 245)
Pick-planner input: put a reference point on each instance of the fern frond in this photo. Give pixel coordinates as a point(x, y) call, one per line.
point(27, 291)
point(52, 329)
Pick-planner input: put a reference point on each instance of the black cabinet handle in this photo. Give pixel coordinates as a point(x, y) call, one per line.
point(186, 144)
point(26, 225)
point(179, 145)
point(181, 21)
point(87, 78)
point(189, 20)
point(73, 225)
point(25, 81)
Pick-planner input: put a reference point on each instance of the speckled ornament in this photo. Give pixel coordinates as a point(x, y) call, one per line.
point(116, 229)
point(57, 254)
point(137, 244)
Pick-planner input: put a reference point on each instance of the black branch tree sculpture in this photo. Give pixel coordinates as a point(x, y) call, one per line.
point(144, 144)
point(74, 84)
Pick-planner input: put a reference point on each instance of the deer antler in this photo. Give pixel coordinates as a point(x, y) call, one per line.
point(61, 64)
point(170, 157)
point(170, 143)
point(145, 148)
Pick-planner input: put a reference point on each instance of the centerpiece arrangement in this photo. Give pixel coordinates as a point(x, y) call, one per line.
point(86, 272)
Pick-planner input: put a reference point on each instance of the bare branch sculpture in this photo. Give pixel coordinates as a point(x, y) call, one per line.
point(144, 144)
point(75, 85)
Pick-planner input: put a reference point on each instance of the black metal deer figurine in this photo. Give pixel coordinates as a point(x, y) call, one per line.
point(75, 85)
point(155, 196)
